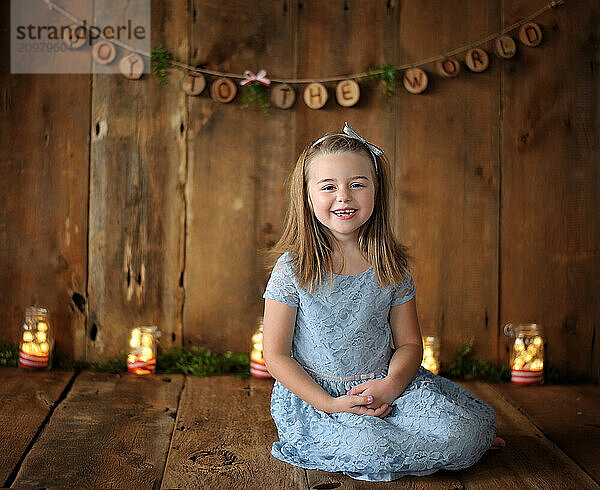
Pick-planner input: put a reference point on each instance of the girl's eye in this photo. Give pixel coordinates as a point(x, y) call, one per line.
point(331, 187)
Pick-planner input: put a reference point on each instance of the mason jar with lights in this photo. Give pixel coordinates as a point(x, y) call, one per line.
point(431, 354)
point(142, 350)
point(526, 353)
point(257, 362)
point(36, 343)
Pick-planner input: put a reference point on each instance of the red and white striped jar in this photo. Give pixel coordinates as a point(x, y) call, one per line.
point(526, 353)
point(142, 350)
point(36, 343)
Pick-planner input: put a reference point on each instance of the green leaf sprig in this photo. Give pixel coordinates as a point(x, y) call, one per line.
point(386, 74)
point(256, 92)
point(465, 368)
point(9, 354)
point(162, 60)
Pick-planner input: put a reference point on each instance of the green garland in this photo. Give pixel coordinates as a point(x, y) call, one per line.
point(386, 74)
point(256, 92)
point(9, 354)
point(161, 61)
point(468, 369)
point(201, 362)
point(198, 361)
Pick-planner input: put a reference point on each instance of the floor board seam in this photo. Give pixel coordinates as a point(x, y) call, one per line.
point(173, 432)
point(15, 473)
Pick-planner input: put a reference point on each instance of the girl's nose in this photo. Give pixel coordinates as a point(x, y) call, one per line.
point(343, 195)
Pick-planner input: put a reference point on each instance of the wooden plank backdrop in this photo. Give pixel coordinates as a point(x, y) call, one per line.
point(549, 271)
point(44, 155)
point(137, 201)
point(494, 175)
point(447, 168)
point(237, 162)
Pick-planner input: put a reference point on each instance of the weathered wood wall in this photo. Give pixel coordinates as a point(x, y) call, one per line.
point(494, 173)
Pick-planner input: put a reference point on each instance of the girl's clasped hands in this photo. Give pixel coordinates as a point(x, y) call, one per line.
point(373, 397)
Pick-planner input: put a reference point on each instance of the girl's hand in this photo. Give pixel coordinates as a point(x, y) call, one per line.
point(382, 391)
point(357, 404)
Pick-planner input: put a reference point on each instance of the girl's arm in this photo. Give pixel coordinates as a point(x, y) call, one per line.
point(406, 360)
point(278, 331)
point(408, 356)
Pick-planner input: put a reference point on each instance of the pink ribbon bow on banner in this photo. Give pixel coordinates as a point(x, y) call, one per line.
point(261, 77)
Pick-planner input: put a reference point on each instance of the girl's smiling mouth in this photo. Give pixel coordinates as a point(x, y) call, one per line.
point(345, 213)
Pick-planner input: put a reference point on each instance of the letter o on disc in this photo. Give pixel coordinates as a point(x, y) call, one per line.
point(477, 60)
point(415, 80)
point(223, 90)
point(283, 96)
point(448, 67)
point(315, 95)
point(193, 83)
point(104, 52)
point(506, 47)
point(347, 93)
point(530, 34)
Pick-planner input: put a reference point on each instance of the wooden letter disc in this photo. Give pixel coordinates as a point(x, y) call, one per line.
point(506, 47)
point(223, 90)
point(74, 36)
point(132, 66)
point(104, 52)
point(283, 96)
point(530, 34)
point(448, 67)
point(477, 60)
point(194, 83)
point(347, 93)
point(415, 80)
point(315, 95)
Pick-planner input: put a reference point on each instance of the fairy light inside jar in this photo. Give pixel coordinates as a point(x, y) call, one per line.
point(431, 354)
point(257, 362)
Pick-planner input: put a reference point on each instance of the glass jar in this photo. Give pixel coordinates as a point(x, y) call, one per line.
point(36, 344)
point(257, 362)
point(526, 353)
point(142, 350)
point(431, 354)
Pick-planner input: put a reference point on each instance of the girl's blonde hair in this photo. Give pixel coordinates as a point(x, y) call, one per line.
point(311, 243)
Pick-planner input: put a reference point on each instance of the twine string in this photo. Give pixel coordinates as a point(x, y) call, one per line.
point(551, 5)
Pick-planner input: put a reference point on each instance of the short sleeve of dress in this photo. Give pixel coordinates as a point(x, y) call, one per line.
point(281, 286)
point(405, 291)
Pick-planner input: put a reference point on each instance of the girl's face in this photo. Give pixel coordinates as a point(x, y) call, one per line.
point(342, 192)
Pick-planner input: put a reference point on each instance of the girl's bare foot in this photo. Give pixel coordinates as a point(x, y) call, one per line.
point(498, 443)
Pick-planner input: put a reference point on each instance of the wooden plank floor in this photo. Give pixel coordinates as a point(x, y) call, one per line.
point(99, 430)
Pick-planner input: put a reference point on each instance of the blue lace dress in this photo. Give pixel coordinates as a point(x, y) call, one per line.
point(341, 334)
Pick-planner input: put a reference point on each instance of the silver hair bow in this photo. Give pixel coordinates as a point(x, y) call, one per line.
point(350, 132)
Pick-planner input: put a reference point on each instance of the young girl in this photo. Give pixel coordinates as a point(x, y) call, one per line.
point(343, 400)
